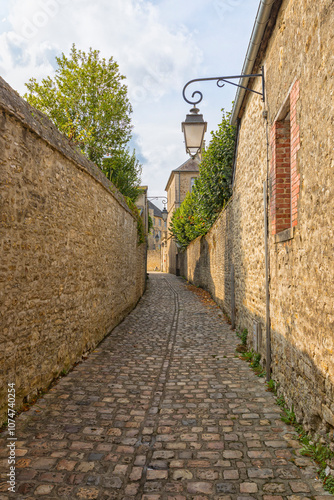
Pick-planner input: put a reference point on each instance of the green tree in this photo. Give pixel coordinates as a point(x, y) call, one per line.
point(186, 223)
point(124, 171)
point(150, 224)
point(87, 101)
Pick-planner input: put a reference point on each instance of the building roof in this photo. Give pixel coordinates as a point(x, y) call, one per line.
point(157, 212)
point(191, 165)
point(263, 26)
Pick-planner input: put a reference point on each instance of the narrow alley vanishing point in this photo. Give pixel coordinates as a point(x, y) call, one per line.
point(162, 409)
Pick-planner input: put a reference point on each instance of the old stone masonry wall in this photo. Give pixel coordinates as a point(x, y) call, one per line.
point(71, 268)
point(154, 260)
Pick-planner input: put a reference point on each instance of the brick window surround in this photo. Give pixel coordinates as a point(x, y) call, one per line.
point(284, 175)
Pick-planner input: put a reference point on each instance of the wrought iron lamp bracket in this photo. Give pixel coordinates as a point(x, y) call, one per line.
point(221, 80)
point(163, 199)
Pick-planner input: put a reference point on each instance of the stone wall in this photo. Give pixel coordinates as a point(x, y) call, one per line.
point(299, 69)
point(71, 268)
point(154, 260)
point(207, 261)
point(302, 269)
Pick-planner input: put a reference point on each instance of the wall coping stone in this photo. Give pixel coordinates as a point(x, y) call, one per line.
point(285, 235)
point(13, 104)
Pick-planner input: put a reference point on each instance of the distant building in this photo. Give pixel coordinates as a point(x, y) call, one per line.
point(156, 239)
point(159, 227)
point(180, 182)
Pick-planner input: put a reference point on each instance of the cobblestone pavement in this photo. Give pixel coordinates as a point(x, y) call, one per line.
point(161, 410)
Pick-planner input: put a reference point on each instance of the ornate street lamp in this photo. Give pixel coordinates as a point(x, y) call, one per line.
point(164, 201)
point(164, 214)
point(194, 128)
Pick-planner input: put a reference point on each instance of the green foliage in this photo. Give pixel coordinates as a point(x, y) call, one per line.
point(271, 386)
point(289, 417)
point(123, 170)
point(328, 482)
point(281, 401)
point(211, 190)
point(251, 356)
point(302, 435)
point(256, 360)
point(87, 101)
point(321, 454)
point(150, 224)
point(243, 336)
point(248, 356)
point(186, 224)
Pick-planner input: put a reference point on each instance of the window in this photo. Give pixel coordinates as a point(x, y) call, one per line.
point(284, 175)
point(159, 222)
point(192, 182)
point(281, 175)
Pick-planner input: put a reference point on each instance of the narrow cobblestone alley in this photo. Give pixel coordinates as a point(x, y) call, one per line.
point(162, 409)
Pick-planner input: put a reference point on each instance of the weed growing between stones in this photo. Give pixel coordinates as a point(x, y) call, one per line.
point(251, 356)
point(289, 417)
point(243, 336)
point(321, 454)
point(328, 481)
point(323, 457)
point(272, 386)
point(254, 358)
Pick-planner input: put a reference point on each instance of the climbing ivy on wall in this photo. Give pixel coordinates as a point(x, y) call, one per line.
point(150, 224)
point(212, 189)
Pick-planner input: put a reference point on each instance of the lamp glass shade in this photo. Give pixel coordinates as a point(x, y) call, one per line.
point(194, 128)
point(164, 214)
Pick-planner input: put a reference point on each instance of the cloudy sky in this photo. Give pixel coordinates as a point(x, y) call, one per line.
point(158, 44)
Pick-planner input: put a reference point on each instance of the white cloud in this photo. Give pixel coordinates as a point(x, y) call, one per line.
point(158, 44)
